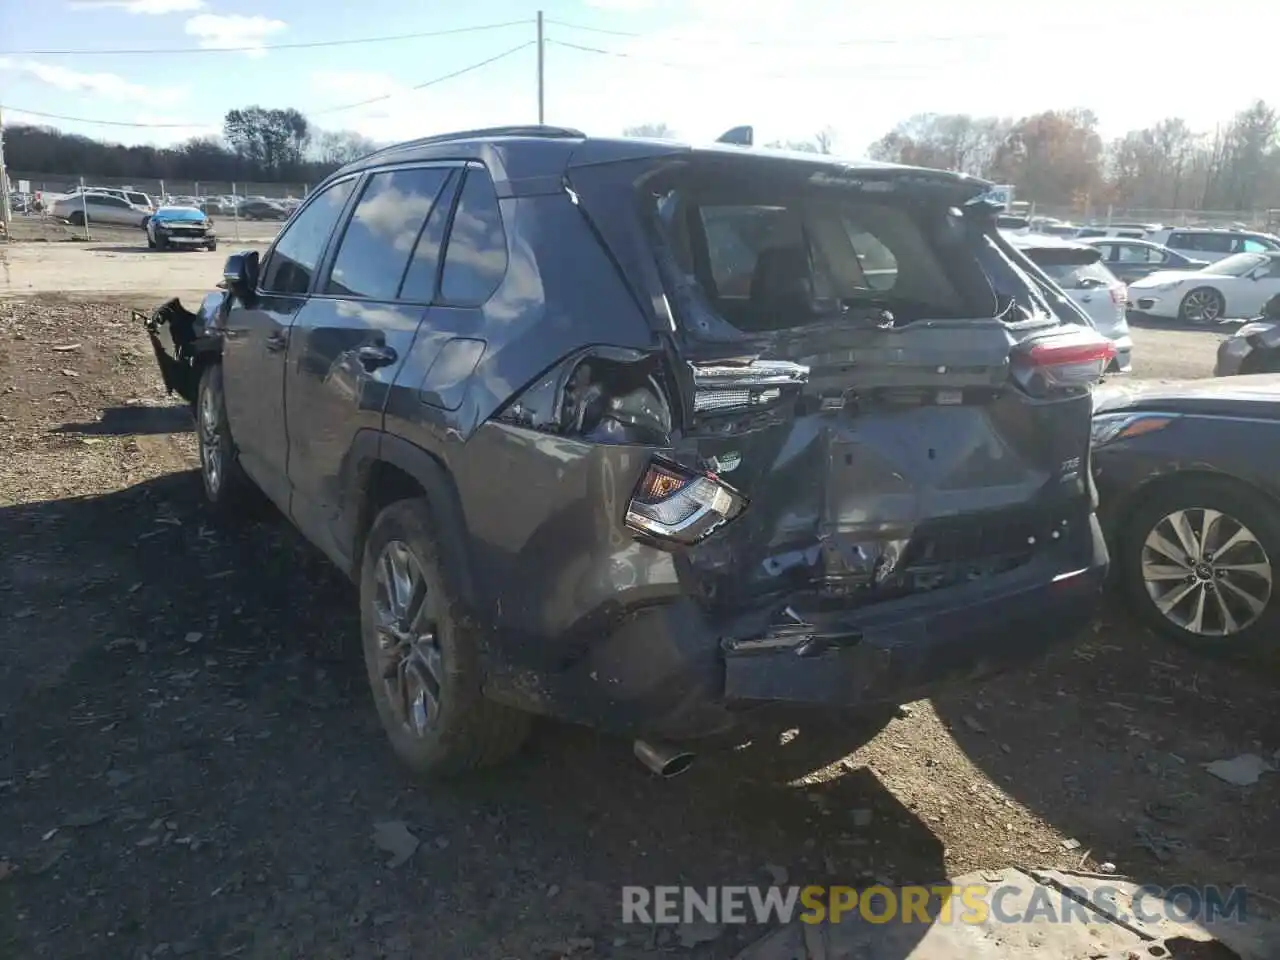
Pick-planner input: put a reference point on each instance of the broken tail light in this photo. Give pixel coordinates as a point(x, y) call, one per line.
point(1064, 361)
point(685, 506)
point(1119, 294)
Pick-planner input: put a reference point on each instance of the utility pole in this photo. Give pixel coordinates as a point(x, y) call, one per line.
point(542, 116)
point(6, 215)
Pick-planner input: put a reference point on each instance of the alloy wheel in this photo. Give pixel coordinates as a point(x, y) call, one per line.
point(1206, 572)
point(409, 654)
point(211, 441)
point(1203, 306)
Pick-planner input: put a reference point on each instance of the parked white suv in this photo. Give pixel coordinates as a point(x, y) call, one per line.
point(1210, 245)
point(1078, 269)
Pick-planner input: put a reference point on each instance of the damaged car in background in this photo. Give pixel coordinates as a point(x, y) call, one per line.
point(621, 432)
point(180, 227)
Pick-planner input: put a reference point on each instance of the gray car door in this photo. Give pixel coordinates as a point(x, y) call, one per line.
point(256, 338)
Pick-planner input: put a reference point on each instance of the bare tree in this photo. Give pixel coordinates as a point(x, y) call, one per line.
point(650, 131)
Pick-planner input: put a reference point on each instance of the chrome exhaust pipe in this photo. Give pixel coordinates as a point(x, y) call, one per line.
point(664, 759)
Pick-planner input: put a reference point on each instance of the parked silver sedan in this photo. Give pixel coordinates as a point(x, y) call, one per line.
point(99, 208)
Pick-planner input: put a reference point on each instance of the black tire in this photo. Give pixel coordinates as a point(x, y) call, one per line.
point(1262, 361)
point(1239, 504)
point(228, 489)
point(1190, 312)
point(76, 219)
point(467, 731)
point(213, 245)
point(162, 243)
point(151, 242)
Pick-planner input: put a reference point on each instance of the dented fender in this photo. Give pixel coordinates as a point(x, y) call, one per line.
point(195, 338)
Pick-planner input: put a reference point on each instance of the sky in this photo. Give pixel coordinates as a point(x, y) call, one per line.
point(700, 66)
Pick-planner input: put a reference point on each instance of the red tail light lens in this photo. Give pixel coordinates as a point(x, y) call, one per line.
point(684, 506)
point(1077, 359)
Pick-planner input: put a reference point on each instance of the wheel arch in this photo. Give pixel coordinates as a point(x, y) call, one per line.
point(383, 469)
point(1158, 483)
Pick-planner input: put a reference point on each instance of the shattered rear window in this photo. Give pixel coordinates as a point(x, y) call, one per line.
point(770, 262)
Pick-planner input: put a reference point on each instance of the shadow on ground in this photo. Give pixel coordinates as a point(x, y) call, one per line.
point(189, 758)
point(134, 421)
point(1145, 321)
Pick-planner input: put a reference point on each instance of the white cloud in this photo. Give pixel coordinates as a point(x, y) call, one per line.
point(622, 6)
point(233, 31)
point(108, 86)
point(151, 7)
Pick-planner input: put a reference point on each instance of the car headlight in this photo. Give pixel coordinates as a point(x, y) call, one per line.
point(1110, 427)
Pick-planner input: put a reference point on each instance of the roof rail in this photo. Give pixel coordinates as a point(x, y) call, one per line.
point(527, 130)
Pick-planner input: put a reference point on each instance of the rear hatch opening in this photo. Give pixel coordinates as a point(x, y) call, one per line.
point(897, 400)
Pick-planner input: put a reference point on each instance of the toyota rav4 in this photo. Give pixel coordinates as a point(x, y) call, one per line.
point(636, 434)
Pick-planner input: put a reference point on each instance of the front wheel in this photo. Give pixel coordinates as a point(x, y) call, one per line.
point(226, 486)
point(1202, 305)
point(213, 245)
point(1198, 562)
point(421, 654)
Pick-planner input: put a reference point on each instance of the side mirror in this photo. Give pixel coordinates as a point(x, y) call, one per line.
point(240, 274)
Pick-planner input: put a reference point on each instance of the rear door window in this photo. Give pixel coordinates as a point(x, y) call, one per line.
point(736, 236)
point(293, 261)
point(1135, 253)
point(475, 259)
point(382, 232)
point(1075, 276)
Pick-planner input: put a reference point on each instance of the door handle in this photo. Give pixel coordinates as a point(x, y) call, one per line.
point(277, 342)
point(373, 356)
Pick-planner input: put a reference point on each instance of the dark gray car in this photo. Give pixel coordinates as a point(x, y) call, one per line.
point(1131, 259)
point(620, 432)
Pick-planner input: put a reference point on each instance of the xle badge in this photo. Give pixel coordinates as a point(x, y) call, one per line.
point(1069, 470)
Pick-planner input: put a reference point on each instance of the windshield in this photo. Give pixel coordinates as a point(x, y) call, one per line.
point(1237, 265)
point(178, 213)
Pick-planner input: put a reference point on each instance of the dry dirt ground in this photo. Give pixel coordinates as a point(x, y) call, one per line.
point(190, 766)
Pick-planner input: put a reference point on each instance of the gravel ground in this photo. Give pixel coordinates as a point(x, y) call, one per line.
point(189, 764)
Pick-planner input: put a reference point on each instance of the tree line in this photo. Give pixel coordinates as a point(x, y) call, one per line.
point(1056, 157)
point(257, 145)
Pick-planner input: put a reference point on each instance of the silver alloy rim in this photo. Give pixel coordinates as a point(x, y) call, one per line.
point(1202, 306)
point(1206, 572)
point(408, 653)
point(210, 447)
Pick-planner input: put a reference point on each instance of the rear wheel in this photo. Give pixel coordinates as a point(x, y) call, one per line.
point(77, 218)
point(421, 654)
point(1202, 305)
point(226, 486)
point(1198, 561)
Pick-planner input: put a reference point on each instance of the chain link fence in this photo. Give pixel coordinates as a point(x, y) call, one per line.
point(1263, 220)
point(58, 184)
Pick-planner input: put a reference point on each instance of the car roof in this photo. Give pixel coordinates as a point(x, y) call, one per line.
point(1042, 241)
point(1131, 241)
point(535, 152)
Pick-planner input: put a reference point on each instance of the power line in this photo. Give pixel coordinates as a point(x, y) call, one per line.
point(429, 83)
point(641, 58)
point(773, 42)
point(327, 110)
point(301, 45)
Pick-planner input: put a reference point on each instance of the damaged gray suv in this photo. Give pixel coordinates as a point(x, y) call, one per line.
point(637, 435)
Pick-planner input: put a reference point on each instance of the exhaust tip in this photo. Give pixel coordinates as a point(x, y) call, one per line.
point(664, 759)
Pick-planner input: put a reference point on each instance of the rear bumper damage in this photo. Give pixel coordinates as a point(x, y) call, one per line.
point(667, 672)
